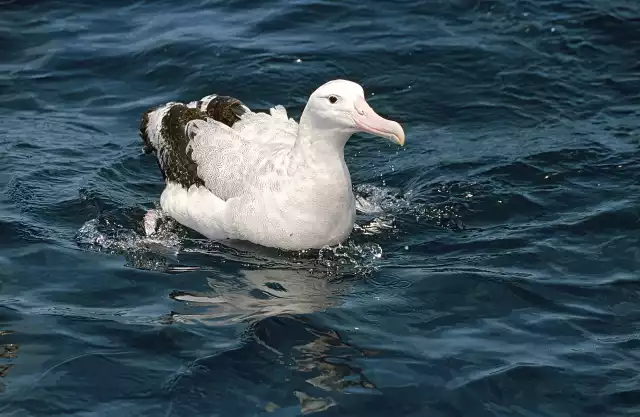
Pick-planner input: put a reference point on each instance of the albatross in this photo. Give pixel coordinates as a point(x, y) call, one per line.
point(232, 173)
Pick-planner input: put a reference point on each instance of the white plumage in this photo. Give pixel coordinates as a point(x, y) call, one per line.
point(236, 174)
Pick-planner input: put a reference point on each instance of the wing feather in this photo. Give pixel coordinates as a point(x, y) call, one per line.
point(231, 164)
point(220, 143)
point(274, 127)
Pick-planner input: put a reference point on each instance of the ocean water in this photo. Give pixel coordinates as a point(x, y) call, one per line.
point(493, 270)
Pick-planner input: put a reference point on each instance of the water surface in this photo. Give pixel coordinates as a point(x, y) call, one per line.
point(493, 270)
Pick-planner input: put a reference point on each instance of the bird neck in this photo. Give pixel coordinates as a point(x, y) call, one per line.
point(318, 153)
point(317, 141)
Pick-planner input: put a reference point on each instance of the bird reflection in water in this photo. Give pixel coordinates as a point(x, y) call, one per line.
point(263, 293)
point(7, 351)
point(331, 356)
point(275, 304)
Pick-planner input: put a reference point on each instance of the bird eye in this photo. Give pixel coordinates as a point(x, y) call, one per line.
point(333, 99)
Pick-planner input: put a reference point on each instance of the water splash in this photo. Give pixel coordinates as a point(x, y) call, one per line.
point(155, 242)
point(140, 251)
point(161, 250)
point(351, 259)
point(371, 199)
point(381, 209)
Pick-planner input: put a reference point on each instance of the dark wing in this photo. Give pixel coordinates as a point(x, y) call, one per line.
point(163, 132)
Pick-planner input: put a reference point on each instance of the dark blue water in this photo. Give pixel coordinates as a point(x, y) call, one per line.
point(494, 268)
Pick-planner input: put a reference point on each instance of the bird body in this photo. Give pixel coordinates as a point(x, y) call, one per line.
point(232, 173)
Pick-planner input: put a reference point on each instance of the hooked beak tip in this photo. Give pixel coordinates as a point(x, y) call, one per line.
point(369, 121)
point(398, 136)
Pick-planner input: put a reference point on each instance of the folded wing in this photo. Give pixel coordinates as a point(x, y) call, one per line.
point(219, 143)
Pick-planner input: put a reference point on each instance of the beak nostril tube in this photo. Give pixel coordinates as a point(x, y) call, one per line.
point(367, 120)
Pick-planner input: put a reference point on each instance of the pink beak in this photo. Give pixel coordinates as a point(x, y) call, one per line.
point(369, 121)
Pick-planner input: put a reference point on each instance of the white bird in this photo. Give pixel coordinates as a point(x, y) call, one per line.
point(232, 173)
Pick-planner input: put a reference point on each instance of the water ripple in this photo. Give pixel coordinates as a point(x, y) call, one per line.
point(493, 265)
